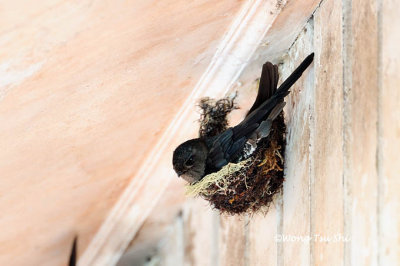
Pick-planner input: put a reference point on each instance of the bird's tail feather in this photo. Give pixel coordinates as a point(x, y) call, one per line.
point(268, 85)
point(283, 90)
point(259, 114)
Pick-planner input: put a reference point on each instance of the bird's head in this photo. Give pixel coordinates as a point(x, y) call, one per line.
point(189, 160)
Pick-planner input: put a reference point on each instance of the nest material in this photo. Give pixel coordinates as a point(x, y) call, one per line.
point(213, 118)
point(247, 186)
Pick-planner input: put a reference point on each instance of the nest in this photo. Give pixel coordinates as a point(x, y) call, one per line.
point(250, 185)
point(213, 118)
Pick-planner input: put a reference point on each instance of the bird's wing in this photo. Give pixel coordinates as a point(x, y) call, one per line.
point(227, 146)
point(268, 84)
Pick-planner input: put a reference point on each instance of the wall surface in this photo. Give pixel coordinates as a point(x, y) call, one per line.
point(339, 204)
point(86, 89)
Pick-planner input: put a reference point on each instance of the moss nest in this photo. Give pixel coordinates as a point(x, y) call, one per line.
point(250, 185)
point(213, 117)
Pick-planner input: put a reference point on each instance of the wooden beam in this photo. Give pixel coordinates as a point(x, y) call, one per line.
point(327, 154)
point(361, 132)
point(389, 133)
point(299, 112)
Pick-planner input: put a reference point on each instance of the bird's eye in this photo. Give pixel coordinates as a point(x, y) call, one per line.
point(190, 161)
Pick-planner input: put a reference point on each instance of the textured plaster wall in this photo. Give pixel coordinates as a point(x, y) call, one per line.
point(86, 90)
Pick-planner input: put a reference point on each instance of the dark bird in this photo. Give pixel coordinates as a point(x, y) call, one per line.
point(196, 158)
point(72, 256)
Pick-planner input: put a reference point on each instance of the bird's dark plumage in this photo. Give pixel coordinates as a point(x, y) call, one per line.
point(208, 155)
point(72, 256)
point(268, 84)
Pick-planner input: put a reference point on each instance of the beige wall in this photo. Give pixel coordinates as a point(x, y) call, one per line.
point(86, 90)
